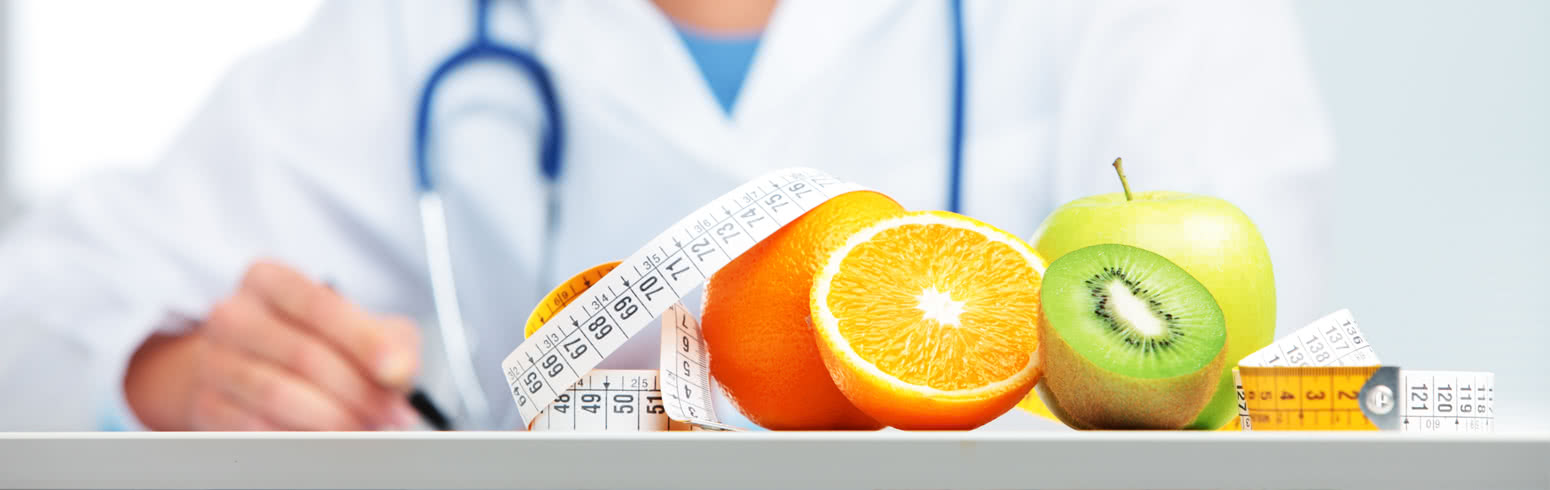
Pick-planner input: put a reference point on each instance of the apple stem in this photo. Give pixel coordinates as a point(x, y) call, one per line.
point(1119, 166)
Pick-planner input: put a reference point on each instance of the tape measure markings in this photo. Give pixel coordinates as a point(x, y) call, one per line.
point(1284, 398)
point(562, 296)
point(1368, 398)
point(1358, 393)
point(610, 317)
point(685, 331)
point(685, 371)
point(682, 371)
point(1432, 399)
point(1334, 340)
point(621, 400)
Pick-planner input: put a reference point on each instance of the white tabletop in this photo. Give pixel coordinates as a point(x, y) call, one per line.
point(791, 460)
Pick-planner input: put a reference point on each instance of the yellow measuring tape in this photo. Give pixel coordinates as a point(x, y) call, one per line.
point(1326, 376)
point(563, 294)
point(1306, 398)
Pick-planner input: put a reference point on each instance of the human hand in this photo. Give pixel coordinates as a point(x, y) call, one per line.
point(283, 352)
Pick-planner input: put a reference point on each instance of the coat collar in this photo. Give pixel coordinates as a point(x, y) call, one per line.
point(623, 60)
point(804, 42)
point(628, 56)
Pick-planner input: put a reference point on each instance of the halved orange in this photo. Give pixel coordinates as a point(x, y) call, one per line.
point(930, 320)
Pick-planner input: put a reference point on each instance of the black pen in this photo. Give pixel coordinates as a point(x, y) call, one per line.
point(422, 404)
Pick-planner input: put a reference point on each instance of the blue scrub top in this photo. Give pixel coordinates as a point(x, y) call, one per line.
point(723, 60)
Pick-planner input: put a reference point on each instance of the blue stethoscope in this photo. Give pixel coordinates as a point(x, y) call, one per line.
point(551, 150)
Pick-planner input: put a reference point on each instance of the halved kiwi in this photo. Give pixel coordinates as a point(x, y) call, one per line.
point(1129, 340)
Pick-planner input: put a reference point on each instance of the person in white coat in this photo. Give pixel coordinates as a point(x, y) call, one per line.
point(269, 272)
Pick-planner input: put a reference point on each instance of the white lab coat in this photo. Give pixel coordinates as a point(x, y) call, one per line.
point(302, 154)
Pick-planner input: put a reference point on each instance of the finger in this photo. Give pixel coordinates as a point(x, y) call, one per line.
point(243, 323)
point(403, 333)
point(272, 393)
point(212, 410)
point(323, 312)
point(406, 334)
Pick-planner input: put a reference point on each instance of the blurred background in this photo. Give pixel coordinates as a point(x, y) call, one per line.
point(1441, 111)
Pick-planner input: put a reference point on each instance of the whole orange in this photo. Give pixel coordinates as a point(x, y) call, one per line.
point(755, 322)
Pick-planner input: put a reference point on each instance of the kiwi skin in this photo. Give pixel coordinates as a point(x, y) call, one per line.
point(1042, 389)
point(1085, 396)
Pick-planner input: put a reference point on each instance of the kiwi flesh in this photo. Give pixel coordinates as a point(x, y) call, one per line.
point(1129, 340)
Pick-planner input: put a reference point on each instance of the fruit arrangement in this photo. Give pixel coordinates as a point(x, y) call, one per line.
point(1127, 311)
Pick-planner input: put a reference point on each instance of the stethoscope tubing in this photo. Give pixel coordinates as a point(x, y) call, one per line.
point(551, 147)
point(433, 218)
point(955, 141)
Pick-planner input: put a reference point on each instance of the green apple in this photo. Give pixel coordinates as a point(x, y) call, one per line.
point(1209, 237)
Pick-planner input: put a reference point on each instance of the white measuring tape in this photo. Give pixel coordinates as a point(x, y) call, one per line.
point(642, 400)
point(554, 366)
point(624, 400)
point(1391, 398)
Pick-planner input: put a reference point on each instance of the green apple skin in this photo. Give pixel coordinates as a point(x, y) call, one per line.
point(1209, 237)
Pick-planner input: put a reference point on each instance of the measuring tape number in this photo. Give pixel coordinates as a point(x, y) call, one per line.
point(624, 400)
point(1326, 376)
point(581, 326)
point(1369, 398)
